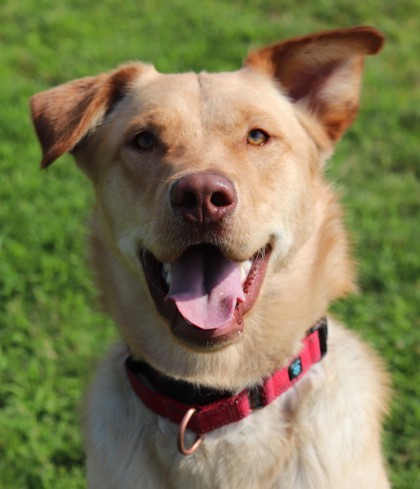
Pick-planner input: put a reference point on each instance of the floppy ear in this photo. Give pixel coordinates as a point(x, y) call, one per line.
point(64, 115)
point(322, 72)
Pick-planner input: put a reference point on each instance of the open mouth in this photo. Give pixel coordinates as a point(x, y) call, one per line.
point(203, 295)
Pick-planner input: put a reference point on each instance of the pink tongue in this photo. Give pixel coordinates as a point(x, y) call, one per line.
point(206, 287)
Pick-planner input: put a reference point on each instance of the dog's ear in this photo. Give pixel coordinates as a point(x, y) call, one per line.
point(322, 72)
point(64, 115)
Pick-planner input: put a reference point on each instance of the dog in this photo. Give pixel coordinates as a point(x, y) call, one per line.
point(217, 246)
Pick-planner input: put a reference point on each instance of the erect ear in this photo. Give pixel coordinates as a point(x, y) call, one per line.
point(322, 72)
point(64, 115)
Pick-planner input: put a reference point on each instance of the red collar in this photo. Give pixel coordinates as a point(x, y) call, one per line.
point(205, 410)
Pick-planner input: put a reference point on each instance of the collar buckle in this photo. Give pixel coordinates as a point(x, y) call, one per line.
point(322, 328)
point(256, 397)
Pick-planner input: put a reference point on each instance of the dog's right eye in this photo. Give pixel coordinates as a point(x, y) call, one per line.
point(257, 137)
point(145, 141)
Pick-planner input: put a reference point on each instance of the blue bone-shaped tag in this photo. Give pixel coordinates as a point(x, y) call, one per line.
point(295, 369)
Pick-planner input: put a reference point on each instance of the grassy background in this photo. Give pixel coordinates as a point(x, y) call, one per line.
point(50, 336)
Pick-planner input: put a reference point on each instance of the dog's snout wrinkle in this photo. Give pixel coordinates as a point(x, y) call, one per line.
point(203, 198)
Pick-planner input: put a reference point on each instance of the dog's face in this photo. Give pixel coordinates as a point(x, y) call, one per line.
point(185, 149)
point(210, 199)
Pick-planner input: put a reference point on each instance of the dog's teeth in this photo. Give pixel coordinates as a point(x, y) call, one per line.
point(167, 273)
point(169, 278)
point(245, 269)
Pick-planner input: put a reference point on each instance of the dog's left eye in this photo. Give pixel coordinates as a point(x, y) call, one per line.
point(145, 140)
point(257, 137)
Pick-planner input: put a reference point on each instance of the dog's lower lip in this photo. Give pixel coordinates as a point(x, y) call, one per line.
point(183, 329)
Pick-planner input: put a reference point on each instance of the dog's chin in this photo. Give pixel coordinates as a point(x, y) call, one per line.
point(204, 336)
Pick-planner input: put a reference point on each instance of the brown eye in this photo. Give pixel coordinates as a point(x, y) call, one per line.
point(257, 137)
point(146, 140)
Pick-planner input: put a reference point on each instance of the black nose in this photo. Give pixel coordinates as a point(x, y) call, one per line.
point(203, 198)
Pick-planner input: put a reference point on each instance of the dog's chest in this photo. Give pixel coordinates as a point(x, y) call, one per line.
point(248, 454)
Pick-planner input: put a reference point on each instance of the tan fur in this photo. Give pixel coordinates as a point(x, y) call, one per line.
point(325, 431)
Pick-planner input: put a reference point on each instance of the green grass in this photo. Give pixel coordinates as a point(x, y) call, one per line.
point(50, 335)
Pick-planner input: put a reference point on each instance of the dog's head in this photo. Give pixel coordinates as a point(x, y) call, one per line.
point(214, 230)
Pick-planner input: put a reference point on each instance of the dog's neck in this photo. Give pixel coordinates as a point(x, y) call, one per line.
point(211, 408)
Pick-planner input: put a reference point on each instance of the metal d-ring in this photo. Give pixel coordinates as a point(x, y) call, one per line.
point(181, 434)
